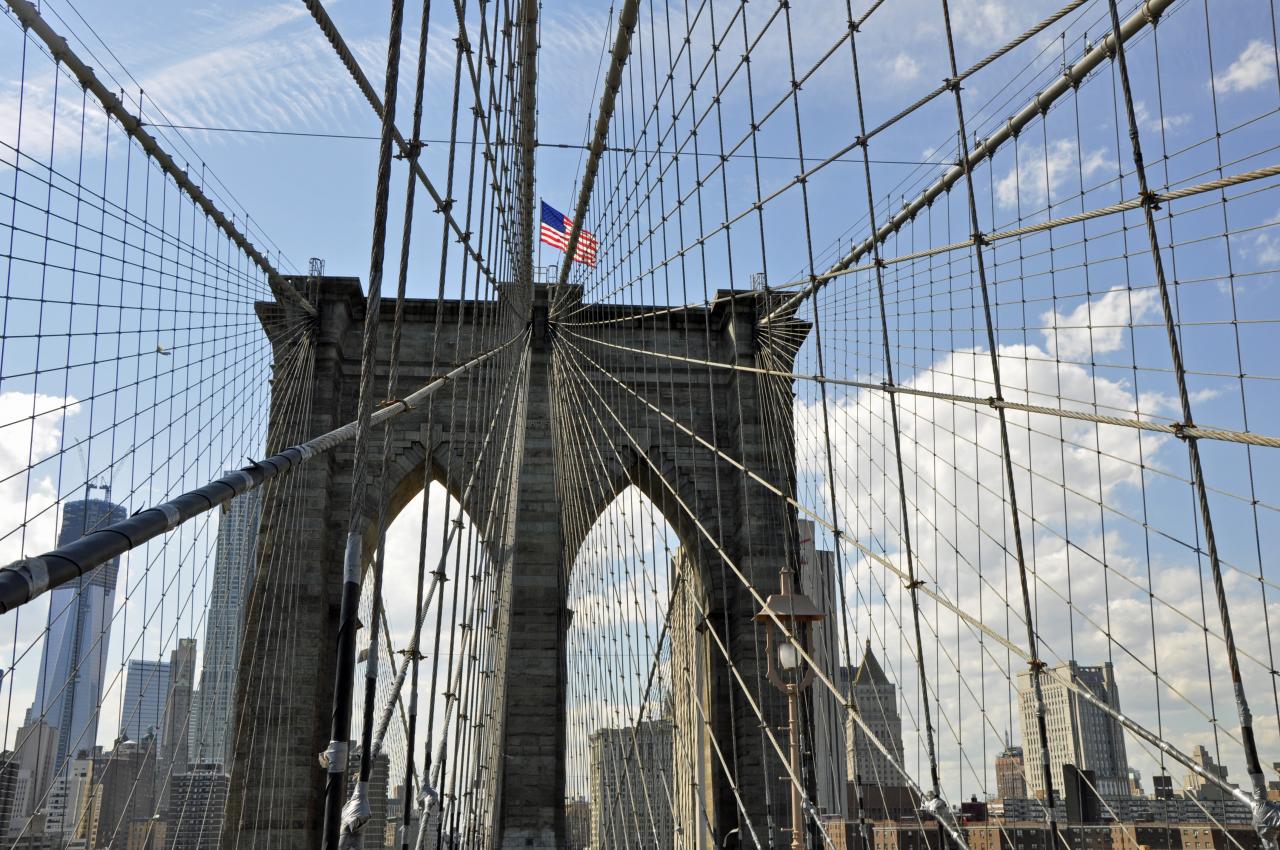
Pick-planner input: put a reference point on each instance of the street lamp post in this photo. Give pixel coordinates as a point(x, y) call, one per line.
point(789, 674)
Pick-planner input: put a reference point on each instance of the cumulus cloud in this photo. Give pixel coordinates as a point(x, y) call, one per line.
point(1039, 175)
point(1096, 325)
point(1254, 67)
point(30, 434)
point(1098, 522)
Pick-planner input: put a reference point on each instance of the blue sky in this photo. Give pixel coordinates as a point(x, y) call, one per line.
point(253, 66)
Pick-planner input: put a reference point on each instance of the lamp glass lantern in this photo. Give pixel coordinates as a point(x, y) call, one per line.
point(797, 613)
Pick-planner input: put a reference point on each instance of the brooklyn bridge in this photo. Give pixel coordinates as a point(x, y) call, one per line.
point(688, 424)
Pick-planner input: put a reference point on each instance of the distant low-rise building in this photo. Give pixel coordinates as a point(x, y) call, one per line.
point(1036, 835)
point(196, 808)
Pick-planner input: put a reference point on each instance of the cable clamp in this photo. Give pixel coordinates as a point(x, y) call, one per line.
point(33, 571)
point(1150, 200)
point(334, 757)
point(1180, 430)
point(1266, 821)
point(980, 239)
point(880, 263)
point(951, 83)
point(411, 149)
point(914, 584)
point(172, 517)
point(1036, 665)
point(411, 654)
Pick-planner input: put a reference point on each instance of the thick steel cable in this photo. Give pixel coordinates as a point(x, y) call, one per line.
point(1252, 764)
point(353, 557)
point(25, 579)
point(613, 82)
point(527, 126)
point(1177, 429)
point(1036, 108)
point(62, 52)
point(349, 61)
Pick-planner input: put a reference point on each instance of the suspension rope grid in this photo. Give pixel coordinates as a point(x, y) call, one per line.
point(631, 337)
point(973, 430)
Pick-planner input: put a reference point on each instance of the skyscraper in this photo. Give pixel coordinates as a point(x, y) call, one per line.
point(691, 707)
point(631, 778)
point(1011, 780)
point(177, 704)
point(73, 658)
point(126, 790)
point(145, 686)
point(829, 743)
point(876, 701)
point(1079, 732)
point(233, 568)
point(36, 750)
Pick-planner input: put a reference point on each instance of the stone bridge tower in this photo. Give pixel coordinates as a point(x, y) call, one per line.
point(284, 695)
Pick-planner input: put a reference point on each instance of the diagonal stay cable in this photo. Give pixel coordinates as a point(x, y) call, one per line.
point(27, 578)
point(348, 59)
point(612, 83)
point(1036, 108)
point(819, 672)
point(132, 125)
point(884, 561)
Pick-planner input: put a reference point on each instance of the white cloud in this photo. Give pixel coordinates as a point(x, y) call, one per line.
point(1168, 123)
point(32, 434)
point(1254, 67)
point(985, 22)
point(1095, 527)
point(1098, 324)
point(903, 68)
point(1038, 176)
point(1266, 244)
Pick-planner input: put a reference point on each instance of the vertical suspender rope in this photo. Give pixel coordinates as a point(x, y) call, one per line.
point(335, 757)
point(1035, 664)
point(413, 656)
point(913, 583)
point(1266, 812)
point(613, 82)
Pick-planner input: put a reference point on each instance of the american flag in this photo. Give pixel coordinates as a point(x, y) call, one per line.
point(556, 227)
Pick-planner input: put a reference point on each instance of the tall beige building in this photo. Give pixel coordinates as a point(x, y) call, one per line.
point(1079, 732)
point(828, 743)
point(876, 700)
point(631, 781)
point(693, 760)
